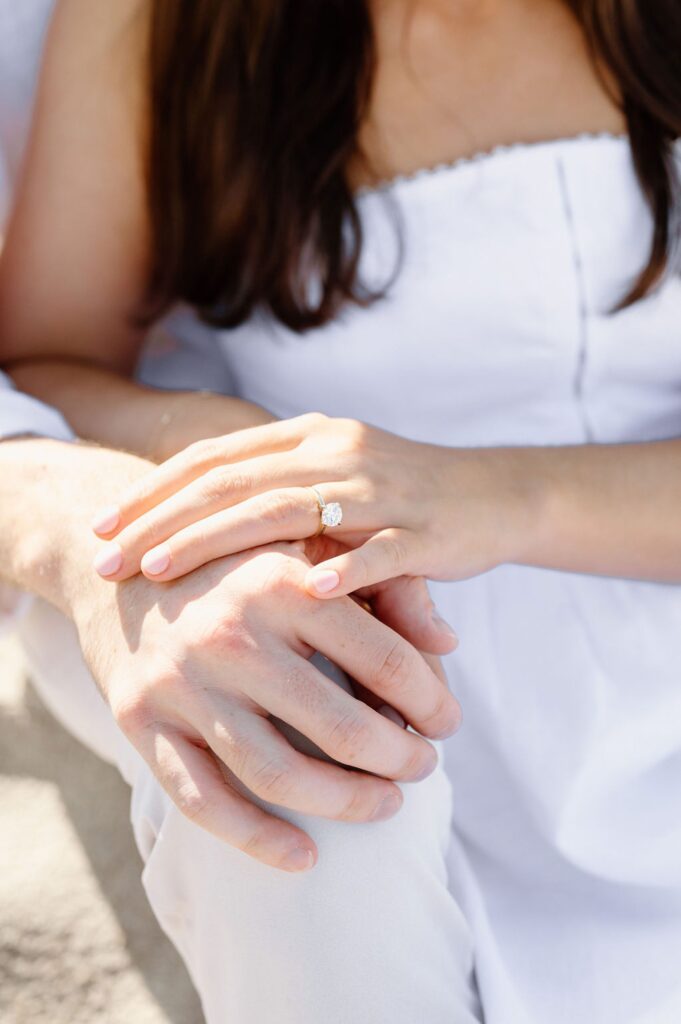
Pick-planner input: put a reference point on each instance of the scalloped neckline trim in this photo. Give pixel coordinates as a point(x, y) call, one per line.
point(484, 156)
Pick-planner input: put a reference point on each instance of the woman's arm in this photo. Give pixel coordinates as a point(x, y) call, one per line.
point(75, 264)
point(408, 508)
point(114, 411)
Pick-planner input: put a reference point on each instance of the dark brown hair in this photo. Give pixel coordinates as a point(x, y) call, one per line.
point(255, 112)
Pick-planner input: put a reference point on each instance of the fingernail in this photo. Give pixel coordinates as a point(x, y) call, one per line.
point(107, 520)
point(428, 771)
point(393, 715)
point(157, 561)
point(387, 808)
point(441, 624)
point(324, 581)
point(109, 560)
point(299, 859)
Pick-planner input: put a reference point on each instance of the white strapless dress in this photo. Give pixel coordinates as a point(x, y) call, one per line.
point(567, 772)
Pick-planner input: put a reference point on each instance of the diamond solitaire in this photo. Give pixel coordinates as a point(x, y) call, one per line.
point(332, 514)
point(329, 515)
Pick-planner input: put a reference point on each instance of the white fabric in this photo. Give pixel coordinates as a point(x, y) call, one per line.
point(21, 414)
point(565, 845)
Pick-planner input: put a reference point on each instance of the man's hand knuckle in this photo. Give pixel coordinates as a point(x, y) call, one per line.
point(283, 579)
point(134, 712)
point(394, 667)
point(356, 804)
point(273, 779)
point(238, 750)
point(350, 736)
point(226, 634)
point(193, 804)
point(259, 842)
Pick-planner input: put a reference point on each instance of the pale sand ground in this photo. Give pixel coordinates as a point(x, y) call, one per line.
point(78, 943)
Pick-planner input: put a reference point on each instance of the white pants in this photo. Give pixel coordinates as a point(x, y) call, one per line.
point(372, 934)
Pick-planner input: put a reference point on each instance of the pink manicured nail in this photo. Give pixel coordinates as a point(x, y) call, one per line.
point(324, 581)
point(107, 520)
point(157, 561)
point(109, 560)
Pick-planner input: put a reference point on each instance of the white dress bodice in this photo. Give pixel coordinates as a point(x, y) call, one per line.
point(499, 330)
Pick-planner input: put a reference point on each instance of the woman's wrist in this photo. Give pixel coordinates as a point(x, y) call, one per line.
point(514, 487)
point(525, 500)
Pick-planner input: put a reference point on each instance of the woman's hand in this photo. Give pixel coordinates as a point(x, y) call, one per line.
point(408, 508)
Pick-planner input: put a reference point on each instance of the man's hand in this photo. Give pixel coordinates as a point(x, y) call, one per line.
point(195, 670)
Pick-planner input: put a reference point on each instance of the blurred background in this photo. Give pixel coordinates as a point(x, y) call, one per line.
point(78, 943)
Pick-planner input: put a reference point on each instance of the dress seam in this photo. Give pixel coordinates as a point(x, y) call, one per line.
point(582, 361)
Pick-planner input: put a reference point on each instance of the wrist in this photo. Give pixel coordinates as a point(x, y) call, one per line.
point(49, 492)
point(524, 498)
point(195, 415)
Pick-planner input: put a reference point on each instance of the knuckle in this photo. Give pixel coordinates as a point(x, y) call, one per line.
point(227, 633)
point(350, 736)
point(239, 752)
point(418, 760)
point(193, 804)
point(133, 713)
point(273, 779)
point(357, 805)
point(203, 452)
point(394, 667)
point(283, 578)
point(394, 552)
point(313, 420)
point(361, 566)
point(259, 843)
point(279, 508)
point(444, 719)
point(215, 484)
point(355, 434)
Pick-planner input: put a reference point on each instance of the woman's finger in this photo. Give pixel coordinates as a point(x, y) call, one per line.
point(188, 465)
point(164, 550)
point(272, 769)
point(195, 783)
point(284, 515)
point(383, 556)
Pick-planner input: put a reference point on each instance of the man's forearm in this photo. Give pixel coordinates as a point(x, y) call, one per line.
point(116, 412)
point(49, 491)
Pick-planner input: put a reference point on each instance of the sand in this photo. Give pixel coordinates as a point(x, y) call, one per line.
point(78, 942)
